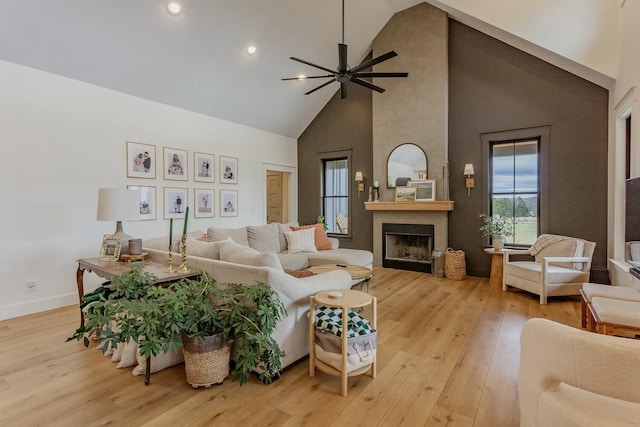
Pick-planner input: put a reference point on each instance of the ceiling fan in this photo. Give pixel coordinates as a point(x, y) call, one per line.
point(345, 74)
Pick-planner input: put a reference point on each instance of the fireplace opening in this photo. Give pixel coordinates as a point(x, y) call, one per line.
point(407, 246)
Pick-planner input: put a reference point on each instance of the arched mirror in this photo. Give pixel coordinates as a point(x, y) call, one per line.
point(406, 161)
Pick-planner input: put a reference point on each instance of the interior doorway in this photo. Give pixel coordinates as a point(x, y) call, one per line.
point(277, 196)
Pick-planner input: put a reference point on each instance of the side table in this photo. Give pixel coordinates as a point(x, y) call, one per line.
point(495, 277)
point(350, 299)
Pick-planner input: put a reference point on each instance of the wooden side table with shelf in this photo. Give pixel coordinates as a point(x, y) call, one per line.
point(350, 299)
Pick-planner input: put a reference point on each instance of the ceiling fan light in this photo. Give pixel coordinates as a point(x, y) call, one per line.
point(251, 50)
point(301, 77)
point(174, 8)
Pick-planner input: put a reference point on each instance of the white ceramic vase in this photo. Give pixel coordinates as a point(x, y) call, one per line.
point(498, 243)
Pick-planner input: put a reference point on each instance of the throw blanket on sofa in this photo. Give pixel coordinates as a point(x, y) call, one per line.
point(545, 240)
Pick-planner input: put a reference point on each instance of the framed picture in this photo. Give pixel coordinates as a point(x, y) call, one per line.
point(228, 170)
point(425, 190)
point(147, 201)
point(175, 202)
point(203, 167)
point(175, 164)
point(228, 203)
point(405, 194)
point(204, 201)
point(110, 249)
point(141, 160)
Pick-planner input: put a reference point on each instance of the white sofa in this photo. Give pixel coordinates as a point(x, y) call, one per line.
point(229, 262)
point(570, 377)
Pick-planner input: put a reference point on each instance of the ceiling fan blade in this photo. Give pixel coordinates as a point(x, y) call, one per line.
point(374, 61)
point(343, 90)
point(367, 84)
point(312, 64)
point(342, 58)
point(320, 87)
point(309, 77)
point(376, 74)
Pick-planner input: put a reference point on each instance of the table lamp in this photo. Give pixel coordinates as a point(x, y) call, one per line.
point(119, 205)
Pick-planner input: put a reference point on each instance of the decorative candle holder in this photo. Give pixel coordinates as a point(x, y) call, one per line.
point(170, 268)
point(183, 250)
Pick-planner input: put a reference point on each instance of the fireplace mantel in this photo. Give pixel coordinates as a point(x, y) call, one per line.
point(437, 206)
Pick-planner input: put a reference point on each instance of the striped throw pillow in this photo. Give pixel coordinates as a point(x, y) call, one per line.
point(301, 241)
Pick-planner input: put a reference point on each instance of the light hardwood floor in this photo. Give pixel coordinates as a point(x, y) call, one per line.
point(448, 356)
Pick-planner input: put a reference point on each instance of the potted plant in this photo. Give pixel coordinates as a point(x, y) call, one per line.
point(195, 314)
point(497, 228)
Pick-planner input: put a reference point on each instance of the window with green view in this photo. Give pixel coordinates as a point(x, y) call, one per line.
point(335, 194)
point(514, 187)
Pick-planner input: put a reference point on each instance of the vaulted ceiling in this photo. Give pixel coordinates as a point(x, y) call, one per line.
point(197, 60)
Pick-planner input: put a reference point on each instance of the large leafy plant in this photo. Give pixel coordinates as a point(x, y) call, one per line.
point(156, 317)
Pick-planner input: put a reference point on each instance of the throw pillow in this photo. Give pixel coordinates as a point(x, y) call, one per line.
point(322, 241)
point(301, 241)
point(128, 355)
point(202, 249)
point(239, 254)
point(159, 362)
point(264, 237)
point(284, 228)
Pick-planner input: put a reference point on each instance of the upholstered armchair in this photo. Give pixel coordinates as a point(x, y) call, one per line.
point(570, 377)
point(557, 265)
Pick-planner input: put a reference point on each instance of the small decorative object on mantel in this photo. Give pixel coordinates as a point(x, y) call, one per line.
point(370, 194)
point(376, 187)
point(497, 228)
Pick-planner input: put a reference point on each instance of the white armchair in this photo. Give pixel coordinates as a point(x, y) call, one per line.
point(569, 377)
point(560, 266)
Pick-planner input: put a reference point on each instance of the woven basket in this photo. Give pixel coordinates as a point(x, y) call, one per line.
point(206, 363)
point(455, 267)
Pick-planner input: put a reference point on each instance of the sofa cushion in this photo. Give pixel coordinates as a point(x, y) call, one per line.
point(530, 270)
point(293, 261)
point(634, 250)
point(322, 241)
point(301, 241)
point(162, 243)
point(284, 228)
point(240, 254)
point(202, 249)
point(264, 237)
point(238, 235)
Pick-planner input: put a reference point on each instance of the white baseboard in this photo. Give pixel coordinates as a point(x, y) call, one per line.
point(37, 306)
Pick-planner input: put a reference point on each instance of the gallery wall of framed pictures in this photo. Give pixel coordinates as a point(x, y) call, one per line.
point(213, 179)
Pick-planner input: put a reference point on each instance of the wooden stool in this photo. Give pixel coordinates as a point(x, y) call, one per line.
point(590, 290)
point(615, 316)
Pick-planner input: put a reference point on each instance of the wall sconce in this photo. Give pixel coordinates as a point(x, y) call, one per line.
point(469, 182)
point(360, 181)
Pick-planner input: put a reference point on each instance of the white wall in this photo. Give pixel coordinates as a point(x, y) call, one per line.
point(63, 139)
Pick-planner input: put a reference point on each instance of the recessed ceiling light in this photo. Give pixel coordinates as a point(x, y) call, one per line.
point(251, 50)
point(174, 8)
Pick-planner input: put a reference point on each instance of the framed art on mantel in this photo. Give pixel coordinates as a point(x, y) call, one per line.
point(204, 201)
point(203, 167)
point(175, 164)
point(147, 201)
point(425, 190)
point(141, 160)
point(175, 202)
point(228, 203)
point(228, 170)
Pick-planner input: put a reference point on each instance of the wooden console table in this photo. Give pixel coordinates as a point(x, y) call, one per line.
point(109, 270)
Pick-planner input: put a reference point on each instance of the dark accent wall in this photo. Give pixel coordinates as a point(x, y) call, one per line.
point(343, 124)
point(495, 87)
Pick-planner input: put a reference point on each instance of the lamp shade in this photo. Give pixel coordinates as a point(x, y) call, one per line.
point(118, 204)
point(468, 169)
point(359, 176)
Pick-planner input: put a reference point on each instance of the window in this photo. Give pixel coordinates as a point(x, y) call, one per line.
point(514, 187)
point(335, 194)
